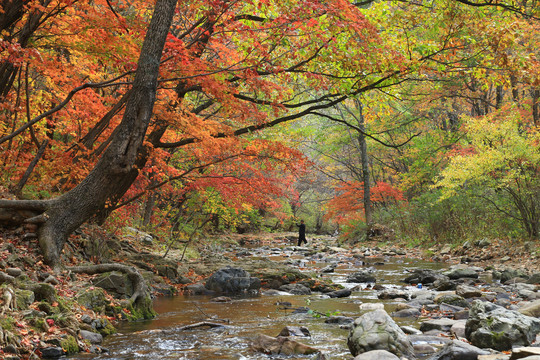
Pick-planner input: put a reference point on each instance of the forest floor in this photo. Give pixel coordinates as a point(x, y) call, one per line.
point(24, 332)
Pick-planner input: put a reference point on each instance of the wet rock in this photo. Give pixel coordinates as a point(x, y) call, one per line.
point(492, 326)
point(393, 294)
point(458, 350)
point(295, 289)
point(340, 320)
point(361, 277)
point(231, 280)
point(295, 331)
point(461, 273)
point(53, 352)
point(340, 293)
point(423, 276)
point(198, 289)
point(281, 346)
point(376, 330)
point(443, 325)
point(376, 355)
point(445, 284)
point(221, 299)
point(92, 337)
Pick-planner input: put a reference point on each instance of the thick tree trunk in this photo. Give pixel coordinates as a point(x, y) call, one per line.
point(117, 168)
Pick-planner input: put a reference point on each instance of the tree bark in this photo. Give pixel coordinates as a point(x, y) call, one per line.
point(119, 164)
point(368, 209)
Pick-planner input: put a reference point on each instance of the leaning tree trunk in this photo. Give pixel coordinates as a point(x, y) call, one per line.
point(118, 165)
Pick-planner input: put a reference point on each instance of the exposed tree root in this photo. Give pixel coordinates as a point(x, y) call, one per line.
point(6, 278)
point(140, 289)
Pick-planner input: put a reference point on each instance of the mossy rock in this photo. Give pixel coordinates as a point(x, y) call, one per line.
point(93, 299)
point(44, 292)
point(24, 298)
point(7, 323)
point(70, 345)
point(116, 283)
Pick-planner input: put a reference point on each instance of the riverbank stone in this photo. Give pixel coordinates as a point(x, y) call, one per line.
point(458, 350)
point(376, 330)
point(281, 345)
point(231, 280)
point(361, 277)
point(423, 276)
point(376, 355)
point(492, 326)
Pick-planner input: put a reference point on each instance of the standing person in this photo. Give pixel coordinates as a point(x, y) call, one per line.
point(301, 233)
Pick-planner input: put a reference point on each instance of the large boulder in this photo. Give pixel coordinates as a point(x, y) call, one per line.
point(376, 330)
point(231, 280)
point(492, 326)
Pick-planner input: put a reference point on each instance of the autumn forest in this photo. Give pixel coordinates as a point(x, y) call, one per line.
point(197, 117)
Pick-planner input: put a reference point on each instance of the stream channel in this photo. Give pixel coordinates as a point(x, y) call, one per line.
point(161, 338)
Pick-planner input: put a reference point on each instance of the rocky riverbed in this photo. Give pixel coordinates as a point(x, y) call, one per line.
point(480, 306)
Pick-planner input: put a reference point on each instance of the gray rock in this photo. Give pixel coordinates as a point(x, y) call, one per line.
point(534, 279)
point(53, 352)
point(492, 326)
point(423, 276)
point(467, 292)
point(295, 331)
point(393, 294)
point(458, 350)
point(296, 289)
point(361, 277)
point(376, 355)
point(92, 337)
point(13, 272)
point(412, 312)
point(339, 320)
point(231, 280)
point(340, 293)
point(458, 329)
point(452, 299)
point(524, 352)
point(410, 330)
point(531, 309)
point(445, 284)
point(462, 273)
point(376, 330)
point(443, 325)
point(197, 289)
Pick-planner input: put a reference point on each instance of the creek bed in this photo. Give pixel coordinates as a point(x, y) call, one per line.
point(161, 338)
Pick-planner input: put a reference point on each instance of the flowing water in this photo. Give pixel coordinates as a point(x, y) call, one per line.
point(163, 338)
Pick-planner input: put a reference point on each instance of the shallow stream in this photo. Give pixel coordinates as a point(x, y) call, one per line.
point(162, 337)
